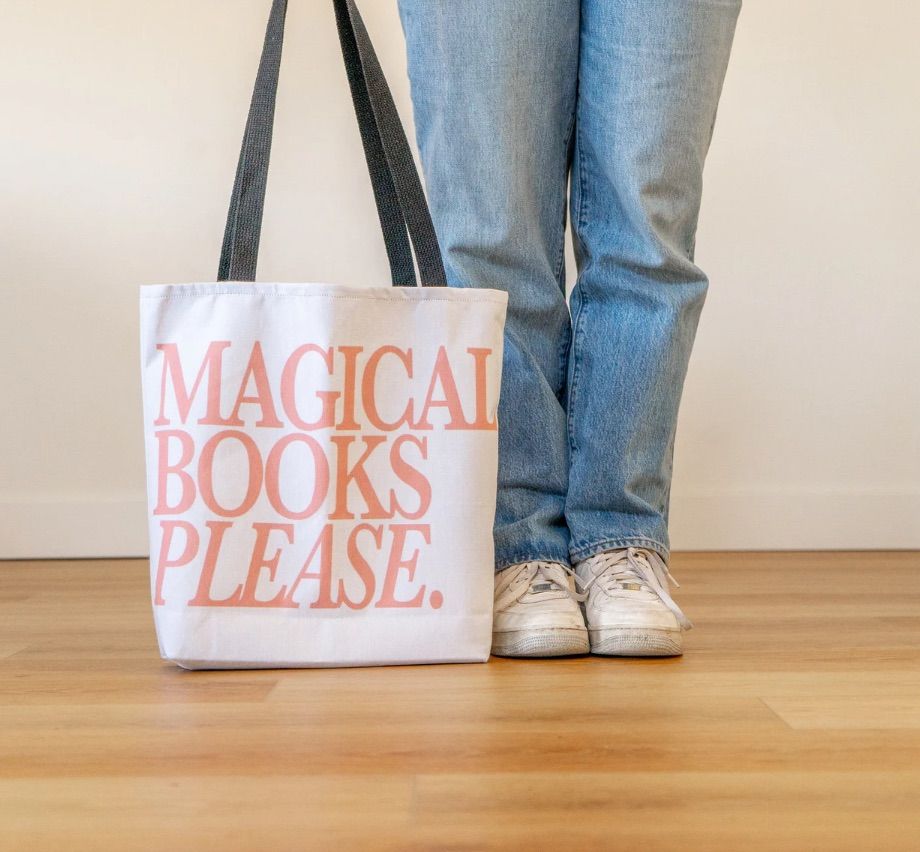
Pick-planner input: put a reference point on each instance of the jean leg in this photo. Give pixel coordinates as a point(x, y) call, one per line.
point(650, 76)
point(493, 91)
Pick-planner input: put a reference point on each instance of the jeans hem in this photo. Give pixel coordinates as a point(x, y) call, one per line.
point(584, 551)
point(501, 564)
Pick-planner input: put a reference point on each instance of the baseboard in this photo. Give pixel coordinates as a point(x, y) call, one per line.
point(116, 526)
point(796, 520)
point(91, 527)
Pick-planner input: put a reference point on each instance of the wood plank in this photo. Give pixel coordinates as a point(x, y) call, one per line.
point(850, 708)
point(790, 723)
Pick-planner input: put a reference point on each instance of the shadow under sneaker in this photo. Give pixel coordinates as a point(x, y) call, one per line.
point(537, 612)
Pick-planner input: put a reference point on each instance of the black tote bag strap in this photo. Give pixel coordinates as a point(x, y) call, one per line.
point(386, 197)
point(397, 187)
point(367, 79)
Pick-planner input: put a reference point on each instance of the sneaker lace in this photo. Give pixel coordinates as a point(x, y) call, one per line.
point(613, 570)
point(516, 581)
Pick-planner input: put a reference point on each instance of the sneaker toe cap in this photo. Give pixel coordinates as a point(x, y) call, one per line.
point(652, 617)
point(529, 617)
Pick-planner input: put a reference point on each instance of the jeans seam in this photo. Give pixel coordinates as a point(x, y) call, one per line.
point(578, 297)
point(573, 387)
point(579, 147)
point(576, 364)
point(562, 356)
point(529, 557)
point(562, 350)
point(582, 551)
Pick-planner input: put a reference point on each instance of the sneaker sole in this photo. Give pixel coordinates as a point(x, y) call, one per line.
point(561, 642)
point(636, 642)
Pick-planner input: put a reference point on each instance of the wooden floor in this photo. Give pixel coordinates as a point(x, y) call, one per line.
point(792, 722)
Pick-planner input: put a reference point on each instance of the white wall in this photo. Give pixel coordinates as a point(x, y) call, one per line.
point(120, 134)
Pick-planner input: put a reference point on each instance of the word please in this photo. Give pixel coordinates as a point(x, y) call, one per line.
point(355, 383)
point(270, 567)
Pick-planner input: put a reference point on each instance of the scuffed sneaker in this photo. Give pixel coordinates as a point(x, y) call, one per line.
point(628, 609)
point(537, 612)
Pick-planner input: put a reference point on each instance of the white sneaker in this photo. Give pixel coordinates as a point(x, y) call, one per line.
point(537, 613)
point(628, 609)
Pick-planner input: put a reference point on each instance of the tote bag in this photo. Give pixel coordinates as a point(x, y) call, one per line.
point(322, 458)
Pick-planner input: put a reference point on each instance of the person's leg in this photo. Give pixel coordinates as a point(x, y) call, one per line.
point(650, 75)
point(493, 89)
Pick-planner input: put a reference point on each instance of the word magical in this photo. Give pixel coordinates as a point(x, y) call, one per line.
point(321, 451)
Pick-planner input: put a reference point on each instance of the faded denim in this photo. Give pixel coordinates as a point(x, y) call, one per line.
point(511, 99)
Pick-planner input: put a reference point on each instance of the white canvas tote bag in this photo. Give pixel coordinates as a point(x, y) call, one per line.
point(321, 458)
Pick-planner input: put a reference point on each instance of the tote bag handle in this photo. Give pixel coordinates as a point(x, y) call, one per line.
point(398, 192)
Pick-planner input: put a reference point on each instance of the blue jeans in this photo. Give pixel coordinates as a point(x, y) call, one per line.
point(510, 97)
